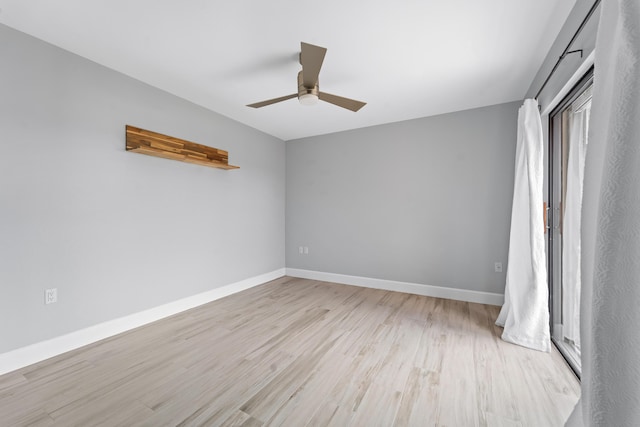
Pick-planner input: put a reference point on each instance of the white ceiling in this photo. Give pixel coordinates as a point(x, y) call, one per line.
point(405, 58)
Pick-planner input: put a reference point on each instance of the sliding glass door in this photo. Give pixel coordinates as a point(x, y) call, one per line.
point(569, 129)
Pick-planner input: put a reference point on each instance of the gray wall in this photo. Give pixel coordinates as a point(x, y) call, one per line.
point(118, 232)
point(425, 201)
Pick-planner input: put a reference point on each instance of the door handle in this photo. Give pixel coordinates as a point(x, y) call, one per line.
point(545, 216)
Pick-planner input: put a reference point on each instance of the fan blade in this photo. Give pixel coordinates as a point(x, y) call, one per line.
point(311, 58)
point(349, 104)
point(272, 101)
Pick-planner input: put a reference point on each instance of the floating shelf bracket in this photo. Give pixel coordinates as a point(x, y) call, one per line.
point(159, 145)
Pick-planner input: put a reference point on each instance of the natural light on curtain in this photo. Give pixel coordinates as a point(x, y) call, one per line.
point(525, 313)
point(611, 209)
point(571, 283)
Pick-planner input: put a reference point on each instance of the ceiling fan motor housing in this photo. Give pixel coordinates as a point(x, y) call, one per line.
point(307, 95)
point(303, 90)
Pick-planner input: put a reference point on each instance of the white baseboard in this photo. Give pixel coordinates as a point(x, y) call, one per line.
point(411, 288)
point(37, 352)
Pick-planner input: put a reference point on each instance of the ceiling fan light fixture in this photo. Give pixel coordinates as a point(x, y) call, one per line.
point(308, 99)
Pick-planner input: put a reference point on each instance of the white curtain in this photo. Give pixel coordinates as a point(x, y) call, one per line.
point(571, 282)
point(525, 313)
point(611, 210)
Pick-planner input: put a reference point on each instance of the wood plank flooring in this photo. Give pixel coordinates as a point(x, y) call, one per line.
point(297, 352)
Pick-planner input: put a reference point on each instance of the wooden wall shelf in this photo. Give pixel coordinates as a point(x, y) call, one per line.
point(159, 145)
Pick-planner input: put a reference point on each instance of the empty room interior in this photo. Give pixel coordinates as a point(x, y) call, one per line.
point(294, 213)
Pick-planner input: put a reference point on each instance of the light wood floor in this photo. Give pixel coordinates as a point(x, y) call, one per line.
point(296, 352)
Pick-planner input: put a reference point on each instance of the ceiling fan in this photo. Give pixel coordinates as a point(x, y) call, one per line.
point(311, 58)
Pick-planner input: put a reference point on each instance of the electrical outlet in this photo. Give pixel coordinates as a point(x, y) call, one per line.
point(50, 295)
point(306, 250)
point(300, 250)
point(498, 267)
